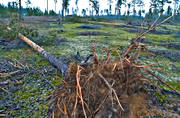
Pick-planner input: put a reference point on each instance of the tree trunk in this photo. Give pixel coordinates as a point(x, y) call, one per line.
point(47, 8)
point(55, 7)
point(20, 7)
point(62, 11)
point(20, 10)
point(51, 58)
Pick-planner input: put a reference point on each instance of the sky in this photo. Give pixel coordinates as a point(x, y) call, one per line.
point(82, 4)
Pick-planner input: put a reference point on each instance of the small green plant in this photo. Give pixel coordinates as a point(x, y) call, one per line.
point(160, 97)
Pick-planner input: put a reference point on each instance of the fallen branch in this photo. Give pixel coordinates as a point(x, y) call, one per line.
point(159, 78)
point(4, 90)
point(111, 89)
point(79, 89)
point(8, 74)
point(2, 115)
point(152, 27)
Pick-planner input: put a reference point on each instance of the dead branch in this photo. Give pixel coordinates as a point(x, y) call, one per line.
point(153, 26)
point(111, 89)
point(79, 89)
point(163, 82)
point(8, 74)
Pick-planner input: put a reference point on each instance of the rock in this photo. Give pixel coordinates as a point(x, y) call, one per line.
point(168, 92)
point(160, 32)
point(134, 23)
point(5, 82)
point(153, 31)
point(174, 45)
point(86, 26)
point(4, 42)
point(1, 111)
point(58, 31)
point(169, 54)
point(92, 33)
point(15, 44)
point(179, 69)
point(61, 39)
point(122, 26)
point(177, 35)
point(77, 56)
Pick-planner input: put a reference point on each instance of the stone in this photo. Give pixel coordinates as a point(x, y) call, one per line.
point(92, 33)
point(174, 45)
point(86, 26)
point(152, 32)
point(15, 44)
point(177, 35)
point(61, 39)
point(169, 54)
point(4, 42)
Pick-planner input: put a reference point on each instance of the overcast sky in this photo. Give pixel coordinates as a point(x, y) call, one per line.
point(83, 4)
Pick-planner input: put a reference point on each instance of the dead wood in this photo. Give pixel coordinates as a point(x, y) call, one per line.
point(106, 87)
point(51, 58)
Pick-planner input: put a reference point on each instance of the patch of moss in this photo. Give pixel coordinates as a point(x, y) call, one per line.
point(42, 62)
point(160, 37)
point(160, 97)
point(175, 84)
point(57, 81)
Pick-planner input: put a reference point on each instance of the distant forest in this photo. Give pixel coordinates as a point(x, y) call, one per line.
point(132, 8)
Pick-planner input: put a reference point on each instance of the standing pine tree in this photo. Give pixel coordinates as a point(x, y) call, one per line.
point(20, 7)
point(95, 5)
point(77, 9)
point(128, 10)
point(110, 6)
point(65, 4)
point(169, 11)
point(119, 4)
point(176, 5)
point(55, 2)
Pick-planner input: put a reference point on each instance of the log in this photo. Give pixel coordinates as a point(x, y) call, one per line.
point(58, 63)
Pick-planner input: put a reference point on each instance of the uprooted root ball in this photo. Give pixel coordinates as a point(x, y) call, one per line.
point(103, 89)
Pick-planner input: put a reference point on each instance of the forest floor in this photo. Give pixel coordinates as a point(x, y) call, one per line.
point(27, 79)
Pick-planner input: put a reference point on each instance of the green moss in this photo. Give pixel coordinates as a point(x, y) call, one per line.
point(160, 37)
point(156, 43)
point(175, 84)
point(57, 81)
point(42, 62)
point(172, 27)
point(160, 97)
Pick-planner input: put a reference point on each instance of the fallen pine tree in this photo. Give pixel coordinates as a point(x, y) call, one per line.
point(104, 87)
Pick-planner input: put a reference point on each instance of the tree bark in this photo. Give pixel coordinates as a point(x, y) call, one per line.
point(20, 7)
point(47, 8)
point(51, 58)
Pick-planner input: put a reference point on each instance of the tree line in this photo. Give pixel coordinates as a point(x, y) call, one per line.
point(129, 7)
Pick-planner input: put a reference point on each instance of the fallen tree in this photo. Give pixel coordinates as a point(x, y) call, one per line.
point(51, 58)
point(107, 87)
point(104, 87)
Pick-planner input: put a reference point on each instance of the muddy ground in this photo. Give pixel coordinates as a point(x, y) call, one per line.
point(27, 79)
